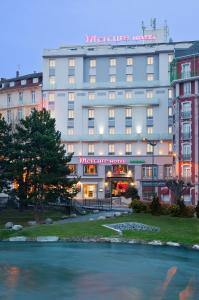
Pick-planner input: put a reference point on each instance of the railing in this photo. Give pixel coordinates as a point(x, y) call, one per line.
point(186, 114)
point(186, 157)
point(95, 203)
point(186, 135)
point(182, 75)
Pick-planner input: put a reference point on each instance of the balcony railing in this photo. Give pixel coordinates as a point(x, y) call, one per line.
point(174, 75)
point(186, 157)
point(186, 135)
point(186, 114)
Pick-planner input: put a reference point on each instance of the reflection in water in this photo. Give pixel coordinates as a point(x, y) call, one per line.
point(187, 293)
point(12, 277)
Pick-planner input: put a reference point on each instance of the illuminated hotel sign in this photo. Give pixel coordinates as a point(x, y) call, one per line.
point(118, 38)
point(83, 160)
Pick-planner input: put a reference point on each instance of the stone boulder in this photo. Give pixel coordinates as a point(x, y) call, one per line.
point(73, 215)
point(48, 221)
point(101, 218)
point(9, 225)
point(32, 223)
point(17, 227)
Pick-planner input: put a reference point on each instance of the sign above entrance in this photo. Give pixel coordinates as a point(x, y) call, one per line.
point(100, 161)
point(118, 38)
point(137, 162)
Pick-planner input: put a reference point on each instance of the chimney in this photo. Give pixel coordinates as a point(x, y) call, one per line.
point(17, 74)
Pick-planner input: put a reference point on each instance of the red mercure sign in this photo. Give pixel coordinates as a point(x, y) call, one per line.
point(83, 160)
point(118, 38)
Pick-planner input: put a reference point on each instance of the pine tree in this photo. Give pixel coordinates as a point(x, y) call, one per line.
point(38, 161)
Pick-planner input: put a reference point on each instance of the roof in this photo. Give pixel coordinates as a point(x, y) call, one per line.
point(192, 50)
point(24, 77)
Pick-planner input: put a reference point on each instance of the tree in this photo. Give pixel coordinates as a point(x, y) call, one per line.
point(131, 192)
point(178, 187)
point(155, 206)
point(38, 161)
point(5, 143)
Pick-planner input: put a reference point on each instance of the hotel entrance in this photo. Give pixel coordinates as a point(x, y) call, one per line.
point(89, 191)
point(119, 186)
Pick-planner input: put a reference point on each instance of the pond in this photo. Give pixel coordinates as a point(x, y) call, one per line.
point(87, 271)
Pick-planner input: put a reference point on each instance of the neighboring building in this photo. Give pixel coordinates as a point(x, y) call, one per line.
point(185, 82)
point(19, 95)
point(110, 102)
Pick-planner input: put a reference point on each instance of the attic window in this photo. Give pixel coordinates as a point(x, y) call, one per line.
point(35, 80)
point(23, 82)
point(12, 83)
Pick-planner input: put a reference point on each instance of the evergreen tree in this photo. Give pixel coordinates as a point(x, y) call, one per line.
point(38, 161)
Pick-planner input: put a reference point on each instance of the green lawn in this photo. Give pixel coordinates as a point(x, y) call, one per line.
point(180, 230)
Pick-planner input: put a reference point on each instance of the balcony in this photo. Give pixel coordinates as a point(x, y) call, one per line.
point(120, 102)
point(186, 157)
point(186, 135)
point(174, 75)
point(186, 114)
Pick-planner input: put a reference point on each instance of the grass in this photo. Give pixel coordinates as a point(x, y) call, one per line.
point(180, 230)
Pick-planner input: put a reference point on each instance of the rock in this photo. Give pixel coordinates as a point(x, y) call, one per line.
point(117, 214)
point(83, 212)
point(9, 225)
point(109, 216)
point(91, 219)
point(48, 221)
point(18, 239)
point(196, 247)
point(73, 215)
point(155, 243)
point(17, 227)
point(47, 238)
point(132, 242)
point(96, 211)
point(173, 244)
point(32, 223)
point(101, 218)
point(64, 217)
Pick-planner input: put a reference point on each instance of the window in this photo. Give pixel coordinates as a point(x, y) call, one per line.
point(119, 169)
point(149, 112)
point(112, 62)
point(149, 94)
point(33, 97)
point(91, 96)
point(129, 77)
point(168, 171)
point(187, 88)
point(111, 130)
point(186, 70)
point(170, 148)
point(112, 78)
point(170, 130)
point(70, 131)
point(92, 63)
point(128, 112)
point(91, 149)
point(35, 80)
point(149, 171)
point(111, 149)
point(186, 107)
point(23, 82)
point(91, 113)
point(149, 77)
point(149, 149)
point(70, 148)
point(128, 130)
point(20, 97)
point(90, 169)
point(90, 131)
point(71, 79)
point(128, 149)
point(8, 100)
point(20, 114)
point(92, 79)
point(111, 95)
point(170, 58)
point(71, 62)
point(9, 116)
point(129, 61)
point(128, 95)
point(12, 83)
point(51, 63)
point(71, 96)
point(71, 114)
point(186, 149)
point(170, 111)
point(149, 129)
point(186, 171)
point(51, 97)
point(52, 80)
point(111, 113)
point(150, 60)
point(170, 93)
point(72, 168)
point(186, 127)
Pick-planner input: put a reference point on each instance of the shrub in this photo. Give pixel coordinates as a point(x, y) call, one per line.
point(189, 211)
point(165, 209)
point(182, 211)
point(197, 210)
point(155, 206)
point(138, 206)
point(175, 210)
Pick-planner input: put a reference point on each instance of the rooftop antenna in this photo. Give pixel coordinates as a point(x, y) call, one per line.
point(166, 30)
point(143, 27)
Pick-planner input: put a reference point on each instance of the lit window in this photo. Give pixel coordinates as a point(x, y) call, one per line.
point(111, 149)
point(71, 62)
point(23, 82)
point(70, 148)
point(71, 79)
point(91, 96)
point(170, 93)
point(170, 58)
point(128, 95)
point(149, 112)
point(150, 60)
point(128, 112)
point(111, 130)
point(170, 147)
point(111, 95)
point(128, 130)
point(112, 62)
point(170, 129)
point(51, 97)
point(149, 94)
point(112, 78)
point(111, 113)
point(90, 169)
point(90, 131)
point(71, 96)
point(129, 61)
point(52, 80)
point(150, 77)
point(91, 113)
point(129, 77)
point(35, 80)
point(128, 149)
point(71, 114)
point(92, 63)
point(91, 149)
point(52, 63)
point(149, 148)
point(92, 79)
point(70, 131)
point(186, 172)
point(170, 111)
point(149, 130)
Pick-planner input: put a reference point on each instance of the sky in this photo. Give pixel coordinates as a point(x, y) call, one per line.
point(29, 26)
